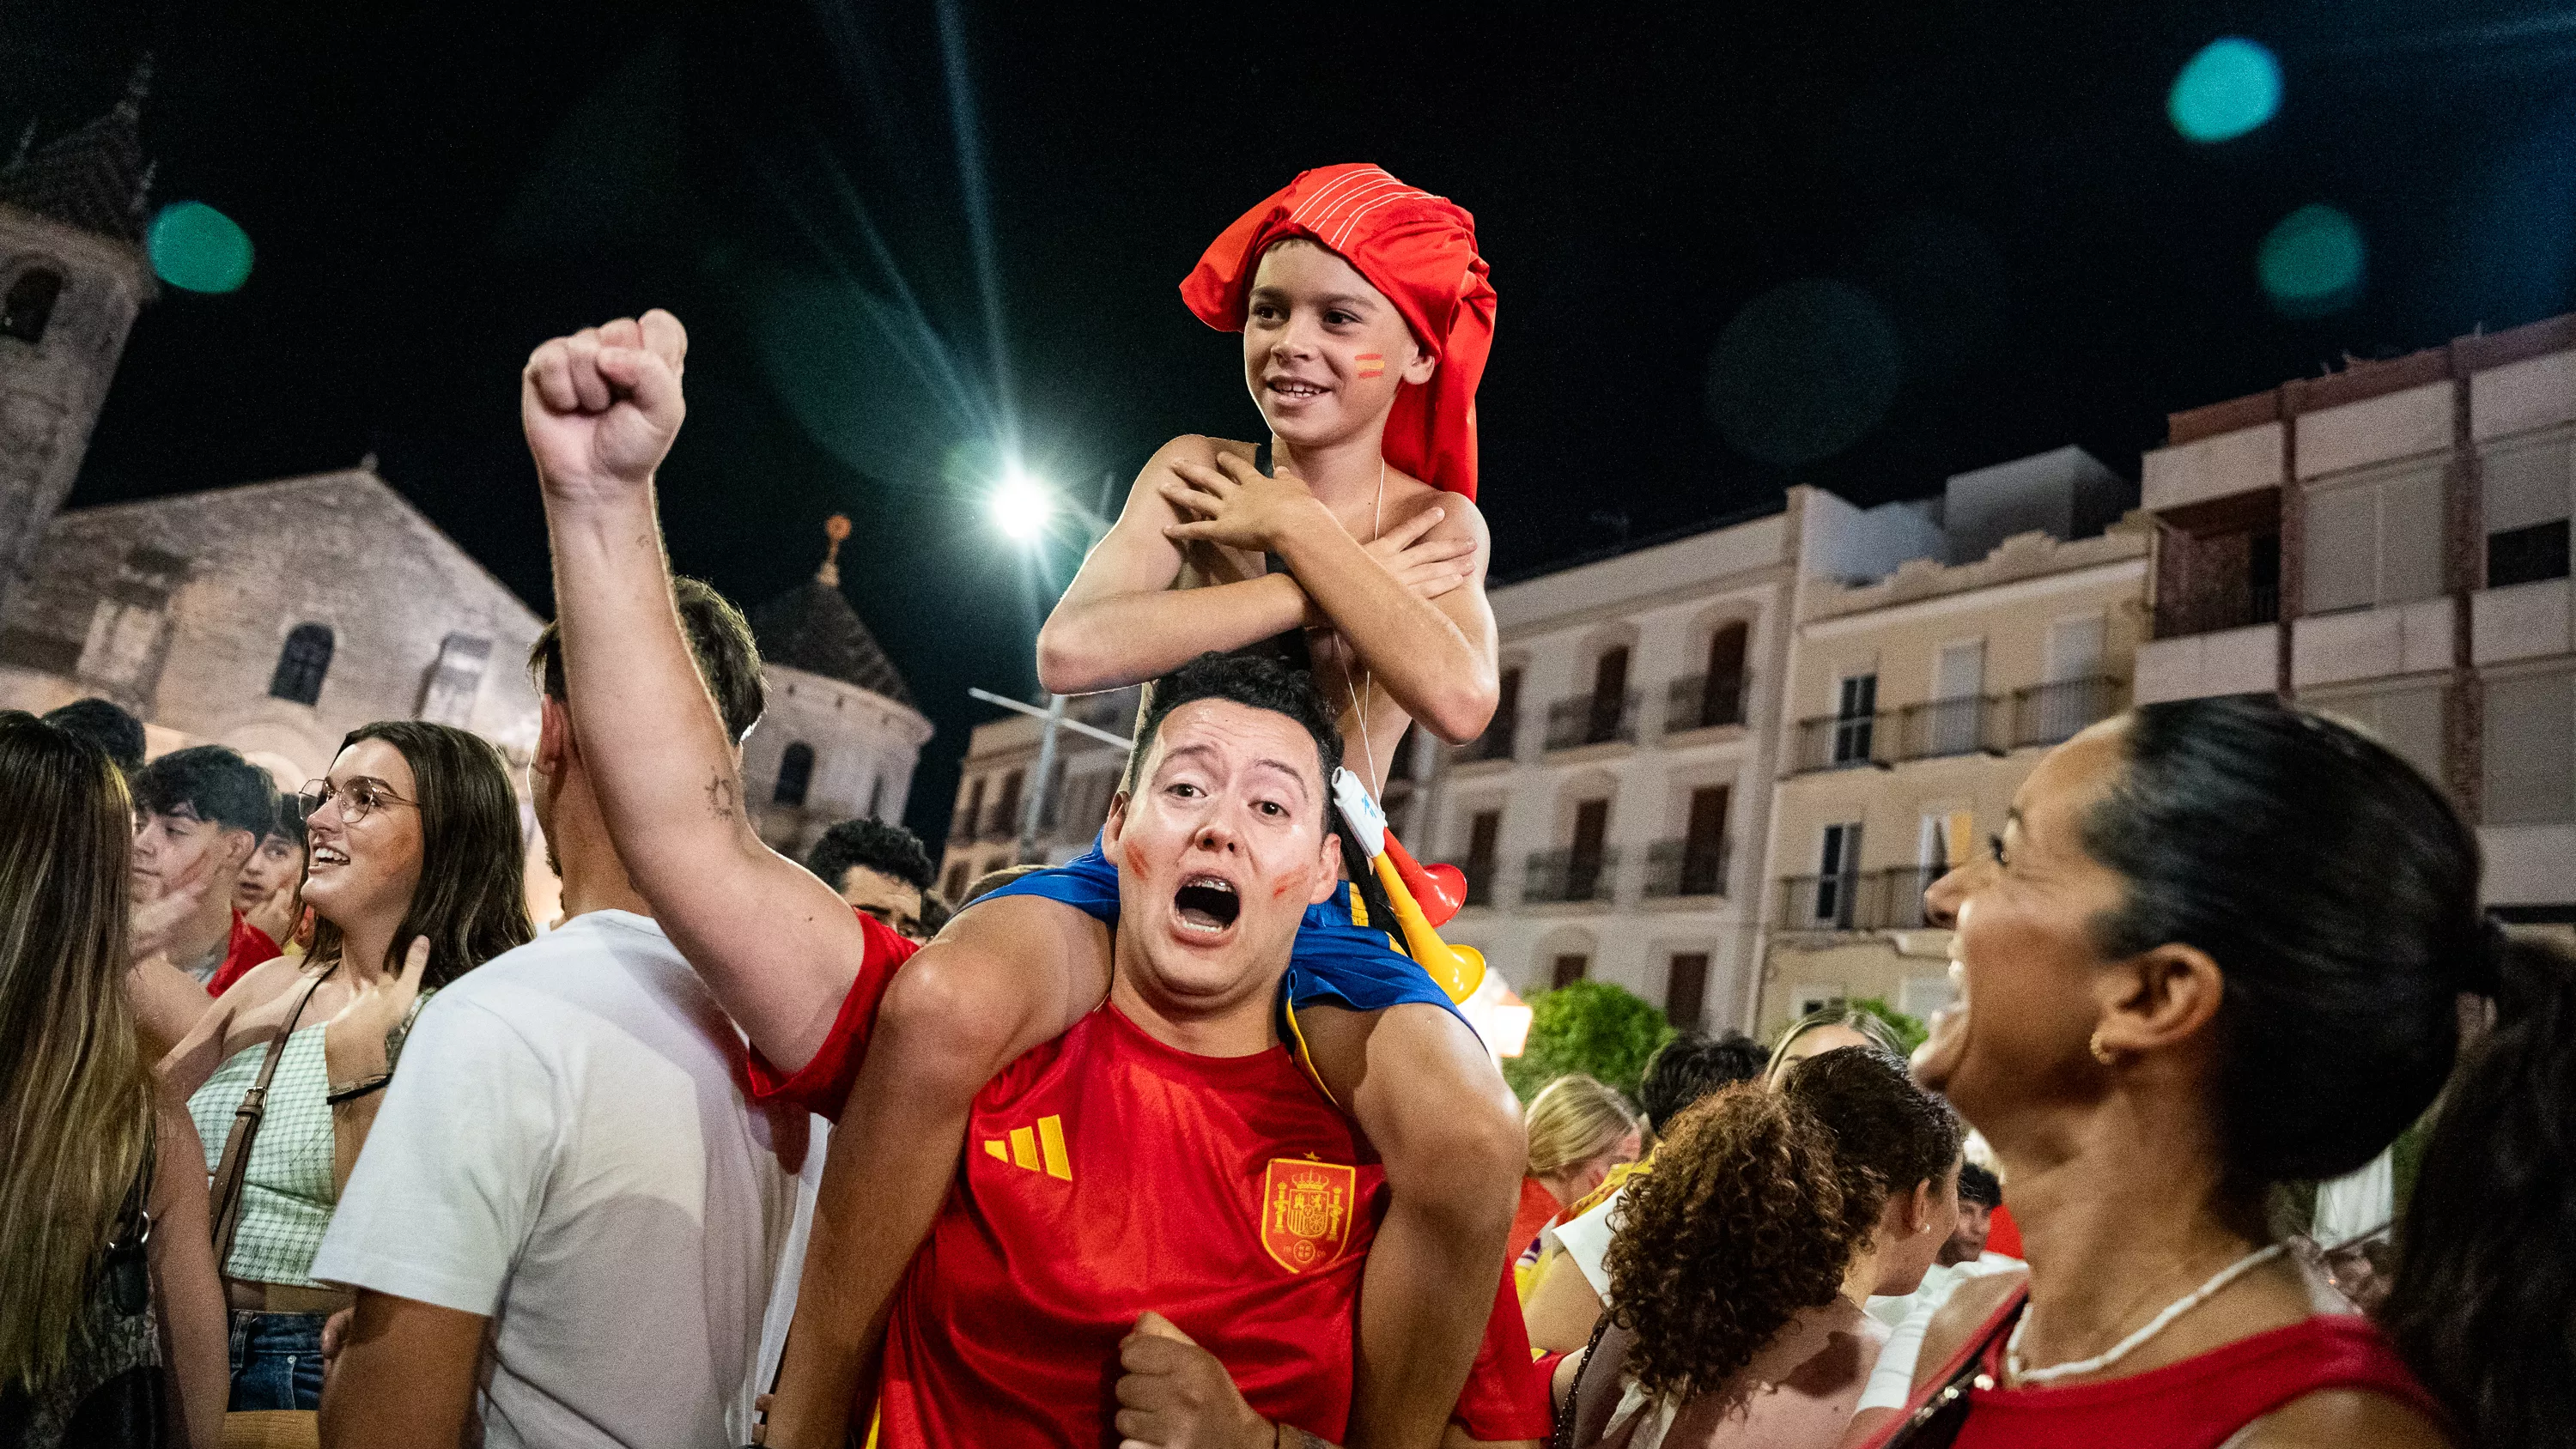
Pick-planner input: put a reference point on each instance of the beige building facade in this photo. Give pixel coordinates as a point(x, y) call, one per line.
point(1001, 763)
point(1609, 821)
point(1916, 704)
point(2390, 542)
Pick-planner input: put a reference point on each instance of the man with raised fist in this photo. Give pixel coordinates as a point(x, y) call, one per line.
point(1163, 1154)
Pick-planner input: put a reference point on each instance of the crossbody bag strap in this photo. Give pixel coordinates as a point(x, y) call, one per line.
point(233, 1168)
point(1933, 1421)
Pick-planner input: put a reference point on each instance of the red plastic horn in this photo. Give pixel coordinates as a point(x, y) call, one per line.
point(1440, 890)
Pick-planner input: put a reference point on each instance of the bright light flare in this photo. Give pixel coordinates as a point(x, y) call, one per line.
point(197, 248)
point(2230, 88)
point(1021, 506)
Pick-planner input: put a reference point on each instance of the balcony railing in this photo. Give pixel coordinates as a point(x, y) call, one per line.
point(1699, 701)
point(1861, 900)
point(2052, 712)
point(1674, 868)
point(1993, 723)
point(1001, 823)
point(2250, 601)
point(1843, 742)
point(1566, 875)
point(1592, 719)
point(1494, 744)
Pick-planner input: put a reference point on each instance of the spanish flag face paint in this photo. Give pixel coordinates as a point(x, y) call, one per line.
point(1372, 364)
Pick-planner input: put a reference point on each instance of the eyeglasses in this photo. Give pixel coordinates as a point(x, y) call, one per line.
point(360, 796)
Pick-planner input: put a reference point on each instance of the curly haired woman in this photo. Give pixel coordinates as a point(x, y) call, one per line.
point(1741, 1261)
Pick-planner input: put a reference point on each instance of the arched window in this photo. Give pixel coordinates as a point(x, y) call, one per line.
point(29, 304)
point(795, 773)
point(302, 663)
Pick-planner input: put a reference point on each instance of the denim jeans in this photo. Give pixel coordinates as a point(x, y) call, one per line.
point(277, 1360)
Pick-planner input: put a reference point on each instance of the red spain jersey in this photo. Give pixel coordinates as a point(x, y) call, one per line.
point(1107, 1174)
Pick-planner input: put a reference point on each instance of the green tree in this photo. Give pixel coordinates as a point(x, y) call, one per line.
point(1909, 1031)
point(1591, 1027)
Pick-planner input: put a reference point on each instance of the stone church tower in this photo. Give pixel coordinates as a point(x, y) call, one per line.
point(73, 273)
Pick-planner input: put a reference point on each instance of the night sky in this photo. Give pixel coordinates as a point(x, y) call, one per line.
point(903, 241)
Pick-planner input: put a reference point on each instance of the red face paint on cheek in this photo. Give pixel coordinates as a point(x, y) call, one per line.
point(1134, 855)
point(1371, 364)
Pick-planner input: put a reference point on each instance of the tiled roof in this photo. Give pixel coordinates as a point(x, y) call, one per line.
point(94, 177)
point(813, 628)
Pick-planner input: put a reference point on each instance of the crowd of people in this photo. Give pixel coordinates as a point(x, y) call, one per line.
point(1176, 1144)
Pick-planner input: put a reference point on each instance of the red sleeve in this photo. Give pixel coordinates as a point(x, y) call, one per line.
point(823, 1084)
point(1506, 1396)
point(249, 947)
point(2005, 1236)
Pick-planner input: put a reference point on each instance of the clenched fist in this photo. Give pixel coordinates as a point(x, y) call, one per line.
point(1173, 1394)
point(602, 406)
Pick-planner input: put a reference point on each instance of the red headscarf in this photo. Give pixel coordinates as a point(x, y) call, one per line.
point(1417, 248)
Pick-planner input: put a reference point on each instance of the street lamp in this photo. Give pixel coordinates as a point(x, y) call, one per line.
point(1022, 505)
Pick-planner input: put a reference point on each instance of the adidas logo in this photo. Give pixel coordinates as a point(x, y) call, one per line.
point(1035, 1150)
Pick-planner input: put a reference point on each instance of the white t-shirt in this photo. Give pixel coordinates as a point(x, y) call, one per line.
point(568, 1150)
point(1586, 1240)
point(1909, 1316)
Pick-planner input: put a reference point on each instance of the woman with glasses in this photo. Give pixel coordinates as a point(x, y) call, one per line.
point(414, 878)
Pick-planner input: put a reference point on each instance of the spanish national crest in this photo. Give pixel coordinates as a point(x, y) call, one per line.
point(1306, 1211)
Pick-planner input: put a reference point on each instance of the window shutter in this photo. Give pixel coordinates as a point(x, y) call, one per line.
point(2342, 534)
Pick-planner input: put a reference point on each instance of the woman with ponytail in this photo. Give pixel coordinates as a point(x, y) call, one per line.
point(2221, 947)
point(2482, 1303)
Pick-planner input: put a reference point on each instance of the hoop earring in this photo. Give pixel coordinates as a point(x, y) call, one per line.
point(2101, 1053)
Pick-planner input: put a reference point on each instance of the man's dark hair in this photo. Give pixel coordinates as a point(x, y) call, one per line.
point(1246, 680)
point(1691, 1066)
point(720, 644)
point(290, 820)
point(214, 783)
point(890, 849)
point(106, 724)
point(1979, 1186)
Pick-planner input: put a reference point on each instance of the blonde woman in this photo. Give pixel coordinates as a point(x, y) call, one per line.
point(1578, 1131)
point(106, 1277)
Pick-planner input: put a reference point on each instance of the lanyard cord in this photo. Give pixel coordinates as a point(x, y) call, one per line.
point(1359, 693)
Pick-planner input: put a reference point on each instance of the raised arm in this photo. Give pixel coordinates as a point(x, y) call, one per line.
point(777, 947)
point(1433, 648)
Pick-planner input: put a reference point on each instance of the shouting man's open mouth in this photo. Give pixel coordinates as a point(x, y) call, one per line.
point(1206, 905)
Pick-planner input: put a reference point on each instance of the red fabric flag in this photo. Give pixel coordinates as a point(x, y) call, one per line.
point(1418, 249)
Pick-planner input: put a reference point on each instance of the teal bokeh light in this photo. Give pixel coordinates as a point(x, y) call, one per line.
point(2231, 87)
point(198, 249)
point(2311, 263)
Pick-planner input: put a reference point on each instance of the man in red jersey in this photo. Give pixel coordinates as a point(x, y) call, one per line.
point(1165, 1156)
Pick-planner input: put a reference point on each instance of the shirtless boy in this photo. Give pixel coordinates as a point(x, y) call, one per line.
point(1366, 318)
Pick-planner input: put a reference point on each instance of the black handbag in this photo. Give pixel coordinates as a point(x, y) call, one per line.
point(129, 1409)
point(1935, 1423)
